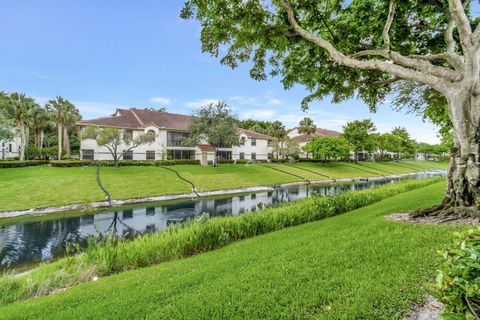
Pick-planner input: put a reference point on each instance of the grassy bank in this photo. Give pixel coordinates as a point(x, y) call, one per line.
point(179, 241)
point(42, 186)
point(352, 266)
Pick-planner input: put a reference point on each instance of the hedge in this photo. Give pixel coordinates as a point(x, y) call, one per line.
point(70, 163)
point(226, 161)
point(21, 164)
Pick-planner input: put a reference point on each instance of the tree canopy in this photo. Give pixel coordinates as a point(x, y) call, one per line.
point(360, 135)
point(328, 148)
point(304, 42)
point(214, 124)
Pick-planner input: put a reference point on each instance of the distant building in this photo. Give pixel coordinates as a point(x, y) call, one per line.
point(169, 130)
point(10, 148)
point(303, 139)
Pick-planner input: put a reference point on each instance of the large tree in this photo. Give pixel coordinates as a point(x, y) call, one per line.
point(407, 144)
point(363, 47)
point(328, 148)
point(360, 135)
point(115, 140)
point(214, 124)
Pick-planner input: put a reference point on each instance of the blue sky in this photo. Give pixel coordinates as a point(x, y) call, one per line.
point(105, 54)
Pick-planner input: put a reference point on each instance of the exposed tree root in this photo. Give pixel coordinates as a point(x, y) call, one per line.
point(448, 211)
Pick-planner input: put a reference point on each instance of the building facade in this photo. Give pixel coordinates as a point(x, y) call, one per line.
point(10, 148)
point(169, 130)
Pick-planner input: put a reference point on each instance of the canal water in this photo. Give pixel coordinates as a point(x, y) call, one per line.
point(43, 238)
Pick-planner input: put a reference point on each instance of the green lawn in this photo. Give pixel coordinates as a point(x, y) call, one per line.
point(42, 186)
point(352, 266)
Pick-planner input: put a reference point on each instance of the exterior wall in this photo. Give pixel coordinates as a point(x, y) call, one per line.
point(262, 149)
point(5, 147)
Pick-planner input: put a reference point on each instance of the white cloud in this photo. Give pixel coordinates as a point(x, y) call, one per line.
point(274, 101)
point(161, 100)
point(200, 103)
point(244, 100)
point(258, 114)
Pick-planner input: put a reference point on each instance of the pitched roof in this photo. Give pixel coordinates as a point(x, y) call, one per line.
point(319, 132)
point(139, 118)
point(255, 135)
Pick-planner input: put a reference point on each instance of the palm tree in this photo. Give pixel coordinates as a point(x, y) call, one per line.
point(20, 108)
point(64, 114)
point(277, 130)
point(41, 123)
point(307, 126)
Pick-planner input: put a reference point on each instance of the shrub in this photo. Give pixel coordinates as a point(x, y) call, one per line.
point(50, 152)
point(165, 162)
point(31, 152)
point(20, 164)
point(241, 161)
point(458, 281)
point(70, 163)
point(186, 161)
point(226, 161)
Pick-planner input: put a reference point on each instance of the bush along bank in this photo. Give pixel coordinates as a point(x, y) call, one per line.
point(112, 255)
point(458, 281)
point(122, 163)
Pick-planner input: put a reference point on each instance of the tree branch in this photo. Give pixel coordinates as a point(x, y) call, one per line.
point(413, 62)
point(388, 25)
point(457, 11)
point(437, 83)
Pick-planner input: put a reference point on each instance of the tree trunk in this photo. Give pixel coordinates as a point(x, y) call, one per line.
point(23, 141)
point(59, 142)
point(42, 137)
point(66, 142)
point(462, 197)
point(356, 156)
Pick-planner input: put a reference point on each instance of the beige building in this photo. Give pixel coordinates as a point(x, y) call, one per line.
point(10, 148)
point(169, 130)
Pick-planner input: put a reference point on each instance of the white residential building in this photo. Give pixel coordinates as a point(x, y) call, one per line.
point(169, 130)
point(10, 148)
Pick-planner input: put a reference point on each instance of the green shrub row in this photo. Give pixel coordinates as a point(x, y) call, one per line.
point(458, 281)
point(113, 255)
point(20, 164)
point(123, 163)
point(70, 163)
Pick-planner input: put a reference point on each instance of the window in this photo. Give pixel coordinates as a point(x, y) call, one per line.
point(181, 154)
point(254, 141)
point(152, 134)
point(242, 141)
point(242, 155)
point(254, 156)
point(9, 147)
point(224, 154)
point(128, 155)
point(127, 134)
point(150, 155)
point(87, 154)
point(174, 139)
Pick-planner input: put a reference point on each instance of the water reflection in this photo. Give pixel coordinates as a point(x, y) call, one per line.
point(33, 242)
